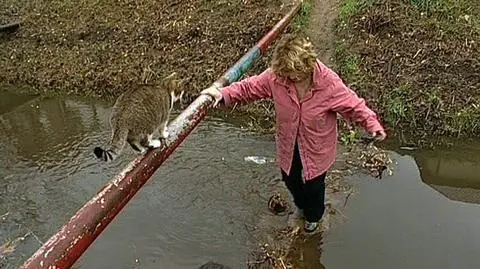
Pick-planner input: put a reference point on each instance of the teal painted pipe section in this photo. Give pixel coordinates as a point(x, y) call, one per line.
point(236, 71)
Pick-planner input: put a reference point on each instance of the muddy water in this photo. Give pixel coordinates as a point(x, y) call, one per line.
point(201, 205)
point(204, 202)
point(427, 215)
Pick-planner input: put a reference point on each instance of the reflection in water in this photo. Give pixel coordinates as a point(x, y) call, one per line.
point(194, 209)
point(455, 172)
point(10, 100)
point(306, 251)
point(400, 222)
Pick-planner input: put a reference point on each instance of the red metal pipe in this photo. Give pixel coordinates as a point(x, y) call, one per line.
point(64, 248)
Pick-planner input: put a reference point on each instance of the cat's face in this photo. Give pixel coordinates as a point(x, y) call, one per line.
point(175, 86)
point(177, 95)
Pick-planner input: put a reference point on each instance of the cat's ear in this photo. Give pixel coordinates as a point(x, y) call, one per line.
point(173, 83)
point(177, 96)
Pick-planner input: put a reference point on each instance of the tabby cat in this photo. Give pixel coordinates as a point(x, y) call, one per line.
point(138, 114)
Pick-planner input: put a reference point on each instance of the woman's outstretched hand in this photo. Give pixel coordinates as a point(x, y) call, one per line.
point(379, 136)
point(214, 92)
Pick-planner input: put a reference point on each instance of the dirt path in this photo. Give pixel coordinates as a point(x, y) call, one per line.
point(321, 28)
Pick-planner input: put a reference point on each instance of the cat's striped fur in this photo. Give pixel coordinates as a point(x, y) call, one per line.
point(140, 113)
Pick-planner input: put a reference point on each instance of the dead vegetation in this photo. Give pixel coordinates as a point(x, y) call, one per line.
point(10, 246)
point(416, 61)
point(104, 47)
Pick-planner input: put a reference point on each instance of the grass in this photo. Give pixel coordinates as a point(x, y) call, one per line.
point(425, 5)
point(398, 108)
point(465, 120)
point(413, 61)
point(350, 137)
point(302, 20)
point(101, 48)
point(348, 68)
point(348, 8)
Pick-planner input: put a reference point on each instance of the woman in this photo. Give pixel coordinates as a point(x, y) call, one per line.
point(307, 96)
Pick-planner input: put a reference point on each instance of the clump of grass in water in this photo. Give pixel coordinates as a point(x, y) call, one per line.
point(349, 138)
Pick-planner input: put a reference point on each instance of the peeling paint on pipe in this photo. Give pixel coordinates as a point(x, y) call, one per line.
point(64, 248)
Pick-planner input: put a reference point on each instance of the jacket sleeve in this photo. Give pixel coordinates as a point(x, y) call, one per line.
point(347, 103)
point(248, 90)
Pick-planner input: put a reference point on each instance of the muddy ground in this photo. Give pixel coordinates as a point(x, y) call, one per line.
point(416, 62)
point(104, 47)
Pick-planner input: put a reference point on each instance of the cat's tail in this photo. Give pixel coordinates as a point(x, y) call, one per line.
point(115, 147)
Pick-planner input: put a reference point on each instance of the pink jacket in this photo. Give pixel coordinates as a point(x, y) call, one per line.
point(312, 121)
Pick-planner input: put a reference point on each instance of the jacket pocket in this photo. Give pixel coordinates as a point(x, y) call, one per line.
point(319, 122)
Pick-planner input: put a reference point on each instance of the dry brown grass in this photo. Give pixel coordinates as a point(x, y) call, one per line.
point(416, 62)
point(104, 47)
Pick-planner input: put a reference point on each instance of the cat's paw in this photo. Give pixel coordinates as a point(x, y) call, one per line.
point(165, 133)
point(143, 150)
point(164, 141)
point(155, 143)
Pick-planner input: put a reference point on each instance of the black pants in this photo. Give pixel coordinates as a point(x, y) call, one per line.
point(309, 196)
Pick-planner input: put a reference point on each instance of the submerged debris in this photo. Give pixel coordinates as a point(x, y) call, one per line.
point(9, 247)
point(269, 258)
point(213, 265)
point(259, 159)
point(376, 161)
point(277, 204)
point(335, 181)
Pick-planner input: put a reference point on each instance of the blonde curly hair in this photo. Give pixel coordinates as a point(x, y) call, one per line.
point(293, 57)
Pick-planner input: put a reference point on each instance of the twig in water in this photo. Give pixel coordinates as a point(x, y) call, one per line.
point(257, 262)
point(35, 236)
point(137, 260)
point(346, 198)
point(4, 215)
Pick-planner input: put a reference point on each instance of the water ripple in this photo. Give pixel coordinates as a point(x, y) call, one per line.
point(192, 210)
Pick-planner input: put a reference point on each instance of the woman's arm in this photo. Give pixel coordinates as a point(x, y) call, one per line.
point(353, 108)
point(249, 89)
